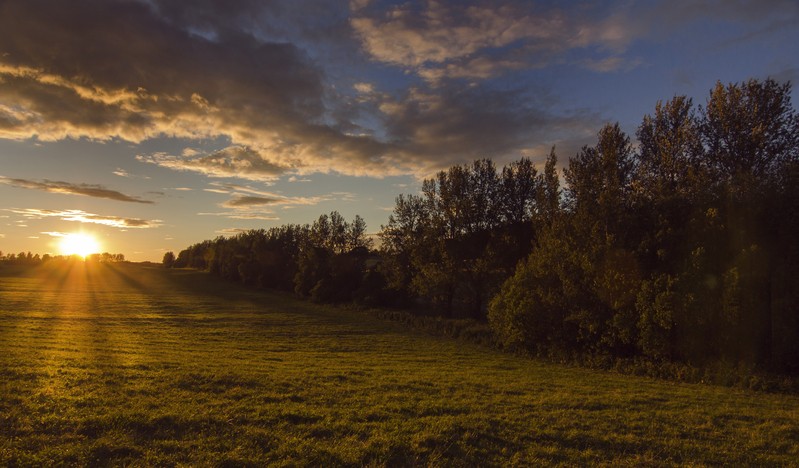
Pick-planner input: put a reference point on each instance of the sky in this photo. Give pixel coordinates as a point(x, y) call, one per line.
point(156, 124)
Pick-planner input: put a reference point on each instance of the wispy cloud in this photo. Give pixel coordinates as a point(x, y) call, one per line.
point(248, 215)
point(247, 201)
point(89, 190)
point(234, 161)
point(230, 231)
point(85, 217)
point(252, 203)
point(448, 39)
point(243, 196)
point(123, 173)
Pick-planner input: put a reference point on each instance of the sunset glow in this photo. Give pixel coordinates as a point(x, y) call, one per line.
point(79, 244)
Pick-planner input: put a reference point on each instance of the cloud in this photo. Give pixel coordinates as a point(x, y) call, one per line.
point(84, 217)
point(255, 74)
point(364, 88)
point(248, 215)
point(359, 4)
point(249, 201)
point(258, 75)
point(186, 71)
point(231, 231)
point(123, 173)
point(442, 128)
point(244, 196)
point(447, 39)
point(89, 190)
point(233, 161)
point(225, 187)
point(356, 88)
point(610, 64)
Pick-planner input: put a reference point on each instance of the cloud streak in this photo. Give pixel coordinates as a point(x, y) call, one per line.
point(89, 190)
point(233, 161)
point(81, 216)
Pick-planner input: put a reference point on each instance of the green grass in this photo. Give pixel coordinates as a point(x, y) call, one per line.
point(133, 365)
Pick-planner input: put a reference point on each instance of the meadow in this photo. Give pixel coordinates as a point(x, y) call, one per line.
point(129, 364)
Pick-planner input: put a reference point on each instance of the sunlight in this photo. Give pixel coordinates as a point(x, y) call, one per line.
point(79, 244)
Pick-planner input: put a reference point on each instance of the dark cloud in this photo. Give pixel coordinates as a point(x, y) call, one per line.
point(89, 190)
point(476, 123)
point(106, 69)
point(84, 217)
point(296, 86)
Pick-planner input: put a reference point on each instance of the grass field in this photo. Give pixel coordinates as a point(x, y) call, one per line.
point(133, 365)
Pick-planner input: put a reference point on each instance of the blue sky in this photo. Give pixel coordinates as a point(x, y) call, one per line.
point(156, 124)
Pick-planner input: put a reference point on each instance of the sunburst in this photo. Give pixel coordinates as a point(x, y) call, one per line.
point(79, 244)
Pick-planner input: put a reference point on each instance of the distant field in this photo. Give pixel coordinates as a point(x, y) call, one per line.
point(127, 364)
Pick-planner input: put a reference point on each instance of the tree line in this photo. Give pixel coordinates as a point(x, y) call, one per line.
point(326, 261)
point(681, 248)
point(32, 259)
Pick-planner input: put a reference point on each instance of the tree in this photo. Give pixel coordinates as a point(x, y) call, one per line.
point(750, 131)
point(168, 260)
point(547, 195)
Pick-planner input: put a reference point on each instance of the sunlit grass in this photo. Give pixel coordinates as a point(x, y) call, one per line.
point(126, 364)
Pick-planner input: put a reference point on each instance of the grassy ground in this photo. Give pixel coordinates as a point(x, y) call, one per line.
point(127, 364)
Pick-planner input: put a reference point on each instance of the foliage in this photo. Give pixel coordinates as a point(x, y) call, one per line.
point(678, 251)
point(324, 261)
point(454, 244)
point(168, 260)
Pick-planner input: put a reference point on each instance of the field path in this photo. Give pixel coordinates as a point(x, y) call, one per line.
point(127, 364)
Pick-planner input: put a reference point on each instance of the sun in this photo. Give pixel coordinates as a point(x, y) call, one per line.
point(79, 244)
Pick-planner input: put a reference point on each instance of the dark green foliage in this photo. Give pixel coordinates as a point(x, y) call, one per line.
point(685, 250)
point(324, 261)
point(453, 245)
point(169, 260)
